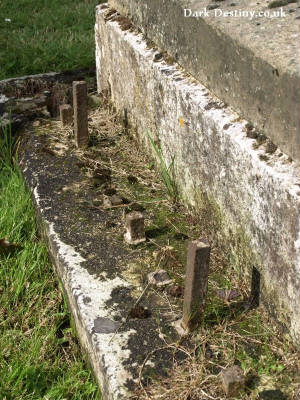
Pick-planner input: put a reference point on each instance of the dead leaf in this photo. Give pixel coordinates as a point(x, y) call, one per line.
point(175, 291)
point(7, 247)
point(139, 312)
point(45, 149)
point(228, 295)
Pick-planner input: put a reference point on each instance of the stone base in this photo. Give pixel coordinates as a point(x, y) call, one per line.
point(180, 329)
point(133, 242)
point(255, 185)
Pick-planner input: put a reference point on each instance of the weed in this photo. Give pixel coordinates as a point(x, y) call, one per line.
point(6, 146)
point(166, 171)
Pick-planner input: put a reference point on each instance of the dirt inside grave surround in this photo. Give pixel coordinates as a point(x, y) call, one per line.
point(232, 332)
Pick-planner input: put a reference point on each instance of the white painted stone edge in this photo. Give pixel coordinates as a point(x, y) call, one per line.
point(106, 351)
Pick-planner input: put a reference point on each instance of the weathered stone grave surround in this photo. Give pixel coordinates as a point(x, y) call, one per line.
point(255, 184)
point(91, 262)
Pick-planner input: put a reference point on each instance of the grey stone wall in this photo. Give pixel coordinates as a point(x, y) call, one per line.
point(258, 192)
point(252, 64)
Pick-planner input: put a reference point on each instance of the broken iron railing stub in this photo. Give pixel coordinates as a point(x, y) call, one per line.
point(101, 177)
point(66, 114)
point(255, 288)
point(233, 380)
point(195, 290)
point(159, 278)
point(135, 228)
point(80, 105)
point(112, 201)
point(195, 282)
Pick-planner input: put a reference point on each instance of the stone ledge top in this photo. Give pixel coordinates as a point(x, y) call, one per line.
point(273, 37)
point(252, 63)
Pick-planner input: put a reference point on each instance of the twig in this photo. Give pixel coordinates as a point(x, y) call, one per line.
point(127, 316)
point(117, 206)
point(206, 394)
point(156, 244)
point(143, 365)
point(175, 227)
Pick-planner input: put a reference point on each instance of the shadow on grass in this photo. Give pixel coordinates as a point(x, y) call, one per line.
point(156, 232)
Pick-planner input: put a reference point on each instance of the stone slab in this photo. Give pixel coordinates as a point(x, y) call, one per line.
point(253, 64)
point(25, 98)
point(258, 192)
point(32, 84)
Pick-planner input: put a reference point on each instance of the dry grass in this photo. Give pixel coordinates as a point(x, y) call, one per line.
point(216, 348)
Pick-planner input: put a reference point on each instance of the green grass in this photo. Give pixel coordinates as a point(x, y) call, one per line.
point(45, 36)
point(166, 172)
point(40, 357)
